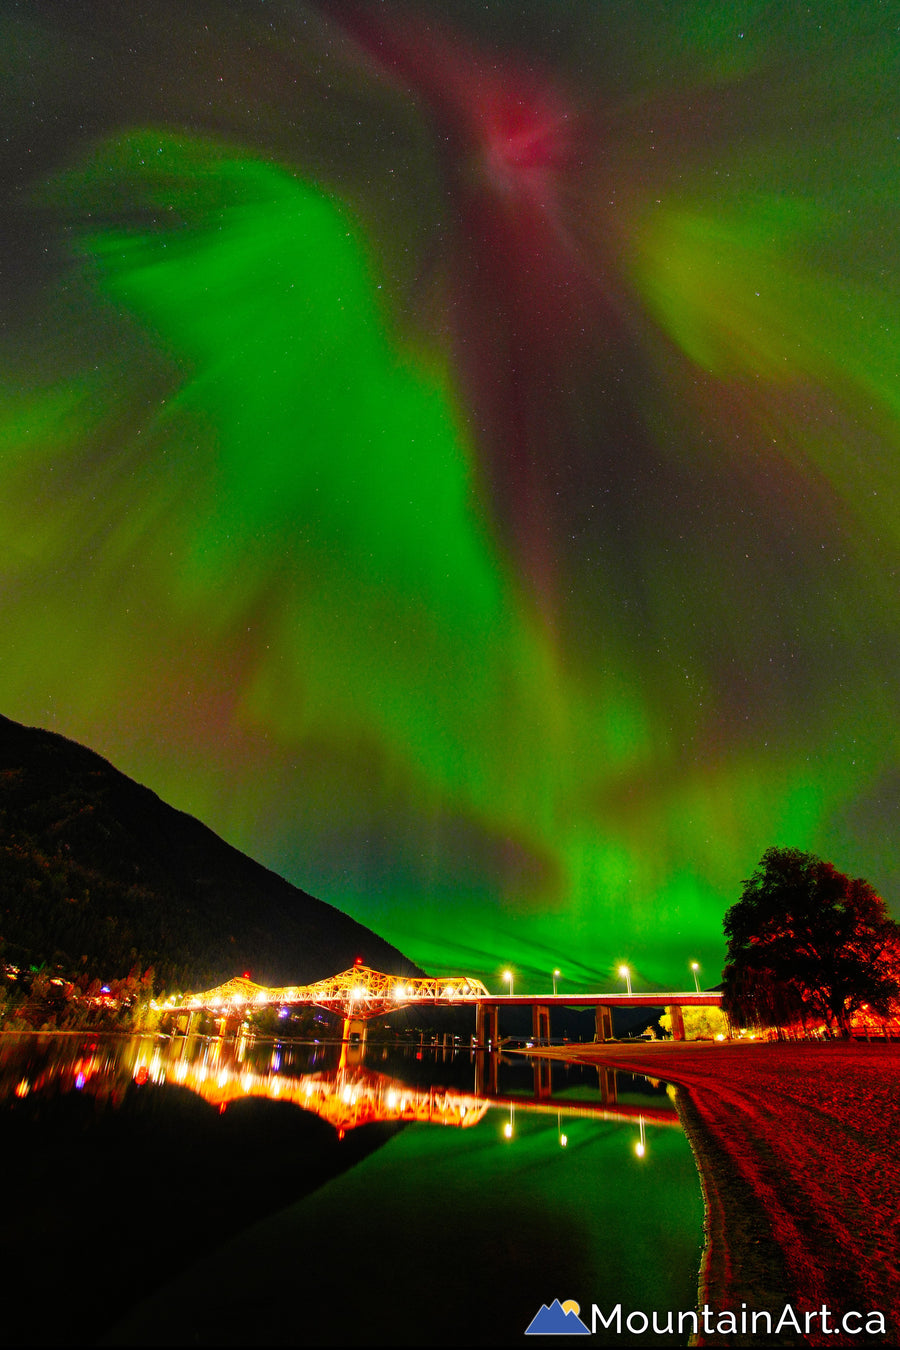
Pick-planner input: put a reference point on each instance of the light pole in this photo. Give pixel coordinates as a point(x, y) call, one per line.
point(695, 967)
point(508, 975)
point(556, 975)
point(626, 976)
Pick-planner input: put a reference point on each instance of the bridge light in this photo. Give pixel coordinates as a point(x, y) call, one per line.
point(556, 975)
point(399, 991)
point(695, 967)
point(508, 975)
point(357, 992)
point(626, 976)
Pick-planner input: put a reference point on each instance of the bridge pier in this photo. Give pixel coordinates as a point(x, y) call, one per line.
point(354, 1026)
point(677, 1017)
point(487, 1025)
point(185, 1023)
point(540, 1022)
point(603, 1024)
point(353, 1052)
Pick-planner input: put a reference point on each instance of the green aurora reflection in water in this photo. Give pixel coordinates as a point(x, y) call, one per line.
point(456, 457)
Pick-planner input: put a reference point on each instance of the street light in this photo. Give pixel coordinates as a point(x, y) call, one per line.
point(556, 975)
point(695, 967)
point(507, 975)
point(626, 976)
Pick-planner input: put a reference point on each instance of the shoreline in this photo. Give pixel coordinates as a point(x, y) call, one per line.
point(795, 1147)
point(741, 1262)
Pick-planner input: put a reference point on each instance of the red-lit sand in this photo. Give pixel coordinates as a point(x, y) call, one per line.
point(798, 1149)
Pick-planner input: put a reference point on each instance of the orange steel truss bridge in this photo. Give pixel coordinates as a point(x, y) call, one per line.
point(361, 993)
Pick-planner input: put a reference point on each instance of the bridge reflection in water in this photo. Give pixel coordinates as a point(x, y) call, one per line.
point(212, 1131)
point(348, 1095)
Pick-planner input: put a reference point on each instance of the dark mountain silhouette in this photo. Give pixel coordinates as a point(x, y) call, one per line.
point(97, 875)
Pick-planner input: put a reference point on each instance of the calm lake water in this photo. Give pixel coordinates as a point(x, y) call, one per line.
point(172, 1192)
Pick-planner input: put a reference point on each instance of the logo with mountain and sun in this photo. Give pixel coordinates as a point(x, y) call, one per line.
point(560, 1319)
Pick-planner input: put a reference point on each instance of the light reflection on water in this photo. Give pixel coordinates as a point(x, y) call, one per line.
point(415, 1197)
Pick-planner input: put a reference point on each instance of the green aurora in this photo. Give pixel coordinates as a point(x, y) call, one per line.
point(460, 465)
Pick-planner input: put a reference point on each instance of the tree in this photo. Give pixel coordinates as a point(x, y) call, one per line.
point(805, 939)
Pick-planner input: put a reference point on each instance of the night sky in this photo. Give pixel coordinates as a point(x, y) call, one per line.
point(452, 449)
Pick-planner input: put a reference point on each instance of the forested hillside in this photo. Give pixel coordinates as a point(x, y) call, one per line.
point(98, 875)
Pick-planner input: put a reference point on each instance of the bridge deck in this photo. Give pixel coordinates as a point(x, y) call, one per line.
point(363, 993)
point(656, 999)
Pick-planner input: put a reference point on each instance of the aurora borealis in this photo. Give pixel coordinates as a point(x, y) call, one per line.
point(452, 450)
